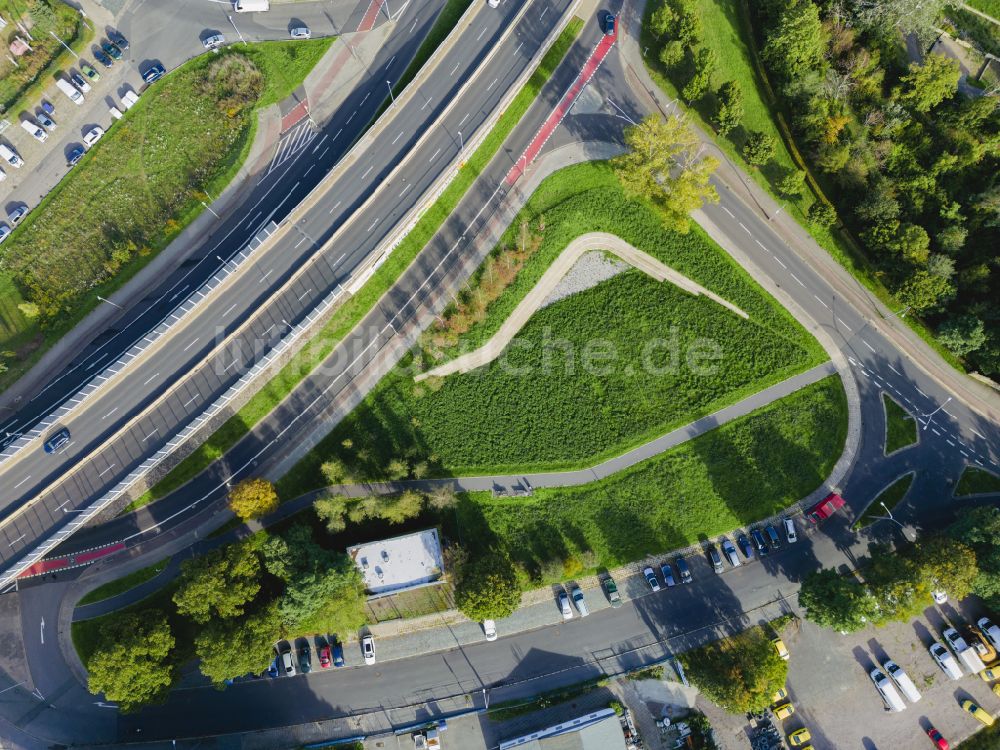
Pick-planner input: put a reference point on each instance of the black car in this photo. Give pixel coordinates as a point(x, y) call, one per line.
point(715, 558)
point(758, 539)
point(75, 155)
point(118, 40)
point(684, 570)
point(102, 58)
point(772, 535)
point(57, 441)
point(305, 659)
point(745, 547)
point(111, 50)
point(155, 73)
point(608, 24)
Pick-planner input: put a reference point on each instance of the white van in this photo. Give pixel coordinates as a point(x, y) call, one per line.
point(902, 680)
point(10, 156)
point(790, 534)
point(71, 91)
point(115, 112)
point(35, 130)
point(892, 700)
point(946, 661)
point(251, 6)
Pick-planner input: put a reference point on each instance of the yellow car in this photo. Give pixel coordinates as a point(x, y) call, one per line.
point(787, 709)
point(979, 713)
point(799, 737)
point(779, 646)
point(779, 696)
point(996, 690)
point(990, 673)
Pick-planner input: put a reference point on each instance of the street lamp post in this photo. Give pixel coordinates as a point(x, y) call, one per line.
point(113, 304)
point(890, 517)
point(236, 29)
point(930, 417)
point(64, 45)
point(461, 143)
point(392, 98)
point(210, 209)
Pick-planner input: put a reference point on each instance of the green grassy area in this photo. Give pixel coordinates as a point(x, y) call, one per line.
point(985, 34)
point(351, 313)
point(146, 178)
point(125, 583)
point(87, 633)
point(740, 472)
point(891, 496)
point(975, 480)
point(985, 738)
point(901, 428)
point(443, 25)
point(726, 30)
point(989, 7)
point(543, 404)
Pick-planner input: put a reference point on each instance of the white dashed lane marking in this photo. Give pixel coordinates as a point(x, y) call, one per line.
point(870, 347)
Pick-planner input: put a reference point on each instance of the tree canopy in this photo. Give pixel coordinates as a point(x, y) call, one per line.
point(253, 498)
point(131, 666)
point(487, 587)
point(235, 647)
point(219, 583)
point(835, 601)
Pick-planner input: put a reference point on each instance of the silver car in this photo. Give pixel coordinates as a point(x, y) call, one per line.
point(578, 602)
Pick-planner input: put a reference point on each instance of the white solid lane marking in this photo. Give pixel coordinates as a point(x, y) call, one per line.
point(872, 348)
point(849, 330)
point(195, 341)
point(798, 280)
point(821, 302)
point(731, 214)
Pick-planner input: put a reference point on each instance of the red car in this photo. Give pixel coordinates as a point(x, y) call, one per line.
point(939, 742)
point(324, 656)
point(826, 508)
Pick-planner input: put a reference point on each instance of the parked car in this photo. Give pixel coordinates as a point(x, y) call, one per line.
point(978, 641)
point(287, 663)
point(783, 711)
point(118, 40)
point(92, 136)
point(715, 558)
point(902, 680)
point(745, 547)
point(790, 534)
point(115, 113)
point(102, 57)
point(338, 654)
point(564, 608)
point(214, 42)
point(779, 646)
point(939, 596)
point(611, 589)
point(300, 32)
point(759, 543)
point(651, 579)
point(4, 234)
point(939, 742)
point(11, 156)
point(779, 696)
point(75, 155)
point(325, 659)
point(15, 216)
point(668, 575)
point(581, 606)
point(129, 99)
point(47, 107)
point(684, 570)
point(490, 630)
point(112, 50)
point(90, 72)
point(57, 441)
point(305, 659)
point(979, 713)
point(887, 690)
point(47, 122)
point(799, 737)
point(154, 73)
point(368, 649)
point(944, 659)
point(80, 82)
point(991, 631)
point(989, 674)
point(772, 535)
point(825, 507)
point(730, 552)
point(272, 671)
point(35, 130)
point(608, 24)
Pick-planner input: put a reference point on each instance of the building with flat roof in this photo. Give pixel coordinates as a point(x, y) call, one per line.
point(600, 730)
point(400, 563)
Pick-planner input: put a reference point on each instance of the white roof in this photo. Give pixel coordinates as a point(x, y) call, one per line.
point(600, 730)
point(399, 563)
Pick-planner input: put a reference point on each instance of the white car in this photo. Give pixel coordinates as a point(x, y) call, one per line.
point(300, 32)
point(35, 130)
point(940, 597)
point(368, 649)
point(945, 660)
point(990, 630)
point(93, 135)
point(493, 3)
point(955, 640)
point(47, 122)
point(790, 531)
point(15, 216)
point(490, 629)
point(214, 42)
point(129, 99)
point(567, 613)
point(578, 602)
point(4, 231)
point(80, 82)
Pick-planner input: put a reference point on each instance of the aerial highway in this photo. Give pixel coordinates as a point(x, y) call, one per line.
point(118, 428)
point(957, 427)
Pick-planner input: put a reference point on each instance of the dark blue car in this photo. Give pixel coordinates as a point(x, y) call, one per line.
point(608, 24)
point(758, 539)
point(338, 654)
point(57, 441)
point(745, 547)
point(154, 73)
point(102, 58)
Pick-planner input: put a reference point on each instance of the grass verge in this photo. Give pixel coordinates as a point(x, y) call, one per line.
point(900, 427)
point(544, 404)
point(125, 583)
point(147, 179)
point(351, 313)
point(740, 472)
point(507, 710)
point(890, 497)
point(975, 480)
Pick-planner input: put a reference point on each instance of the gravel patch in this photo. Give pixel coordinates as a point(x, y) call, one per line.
point(590, 270)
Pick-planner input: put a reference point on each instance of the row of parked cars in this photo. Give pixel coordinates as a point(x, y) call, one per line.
point(290, 661)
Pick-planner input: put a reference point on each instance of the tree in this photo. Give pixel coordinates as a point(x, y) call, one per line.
point(219, 583)
point(796, 43)
point(927, 85)
point(946, 565)
point(671, 54)
point(912, 243)
point(332, 510)
point(663, 20)
point(399, 508)
point(962, 334)
point(835, 601)
point(897, 584)
point(487, 587)
point(951, 239)
point(233, 648)
point(442, 497)
point(925, 292)
point(397, 469)
point(335, 471)
point(729, 110)
point(132, 666)
point(664, 165)
point(330, 584)
point(252, 498)
point(792, 183)
point(979, 528)
point(887, 18)
point(703, 65)
point(822, 214)
point(759, 148)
